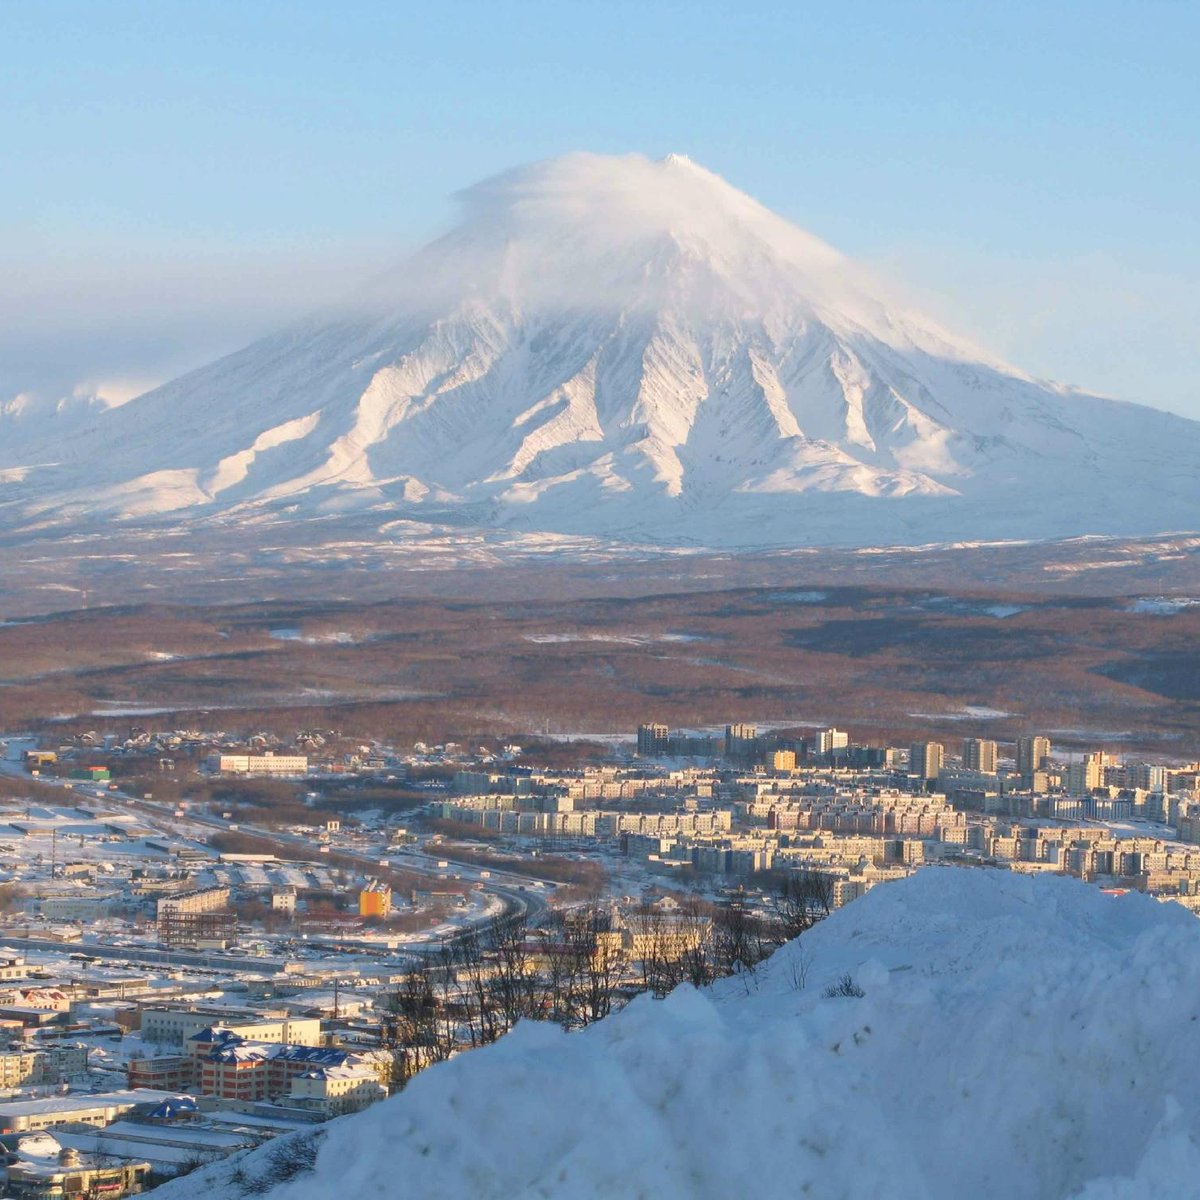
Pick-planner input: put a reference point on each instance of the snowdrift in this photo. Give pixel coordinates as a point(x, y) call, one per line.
point(1017, 1037)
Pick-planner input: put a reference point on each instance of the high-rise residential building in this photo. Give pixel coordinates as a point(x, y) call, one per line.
point(925, 759)
point(1147, 776)
point(829, 740)
point(740, 740)
point(783, 760)
point(1032, 753)
point(653, 740)
point(979, 754)
point(1085, 776)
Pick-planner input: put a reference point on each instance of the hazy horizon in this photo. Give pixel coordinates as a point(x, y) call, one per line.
point(194, 182)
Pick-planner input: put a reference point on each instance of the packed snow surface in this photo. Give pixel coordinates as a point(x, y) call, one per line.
point(1018, 1037)
point(1164, 606)
point(617, 348)
point(970, 712)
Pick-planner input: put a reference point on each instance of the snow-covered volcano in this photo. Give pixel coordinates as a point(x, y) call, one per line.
point(623, 348)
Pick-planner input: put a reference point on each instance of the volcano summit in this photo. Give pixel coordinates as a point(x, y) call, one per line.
point(626, 350)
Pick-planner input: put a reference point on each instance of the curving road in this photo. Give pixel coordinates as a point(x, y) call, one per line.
point(519, 895)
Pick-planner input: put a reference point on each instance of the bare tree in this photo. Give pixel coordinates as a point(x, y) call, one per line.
point(463, 981)
point(799, 899)
point(673, 948)
point(415, 1029)
point(603, 963)
point(655, 968)
point(845, 987)
point(581, 966)
point(516, 992)
point(741, 938)
point(584, 966)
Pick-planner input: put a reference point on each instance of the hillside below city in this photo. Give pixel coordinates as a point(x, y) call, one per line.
point(959, 1033)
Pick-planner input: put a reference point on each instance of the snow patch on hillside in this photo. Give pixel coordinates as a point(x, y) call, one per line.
point(969, 712)
point(333, 637)
point(1017, 1036)
point(1164, 606)
point(619, 639)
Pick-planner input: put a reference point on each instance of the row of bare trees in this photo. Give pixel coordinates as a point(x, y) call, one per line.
point(702, 943)
point(477, 986)
point(580, 966)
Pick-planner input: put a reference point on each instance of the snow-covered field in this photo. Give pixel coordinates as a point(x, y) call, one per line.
point(620, 639)
point(969, 712)
point(1163, 606)
point(336, 637)
point(1016, 1037)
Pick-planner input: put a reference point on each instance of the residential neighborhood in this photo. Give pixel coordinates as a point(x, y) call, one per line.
point(193, 972)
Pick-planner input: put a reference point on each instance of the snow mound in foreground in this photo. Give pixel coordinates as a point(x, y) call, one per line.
point(1018, 1036)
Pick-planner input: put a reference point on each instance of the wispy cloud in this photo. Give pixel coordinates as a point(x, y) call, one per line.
point(100, 325)
point(1098, 321)
point(109, 325)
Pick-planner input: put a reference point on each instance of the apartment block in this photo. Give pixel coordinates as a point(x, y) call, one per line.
point(980, 754)
point(173, 1025)
point(267, 763)
point(925, 759)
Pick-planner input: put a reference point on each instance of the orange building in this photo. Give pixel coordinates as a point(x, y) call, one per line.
point(375, 900)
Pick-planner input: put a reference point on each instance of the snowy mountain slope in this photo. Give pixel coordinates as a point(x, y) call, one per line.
point(1018, 1036)
point(28, 419)
point(615, 347)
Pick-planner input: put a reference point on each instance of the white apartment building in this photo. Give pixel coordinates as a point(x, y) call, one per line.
point(51, 1064)
point(338, 1090)
point(267, 763)
point(172, 1026)
point(101, 1109)
point(77, 908)
point(14, 967)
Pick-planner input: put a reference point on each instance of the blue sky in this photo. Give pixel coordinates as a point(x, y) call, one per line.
point(177, 178)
